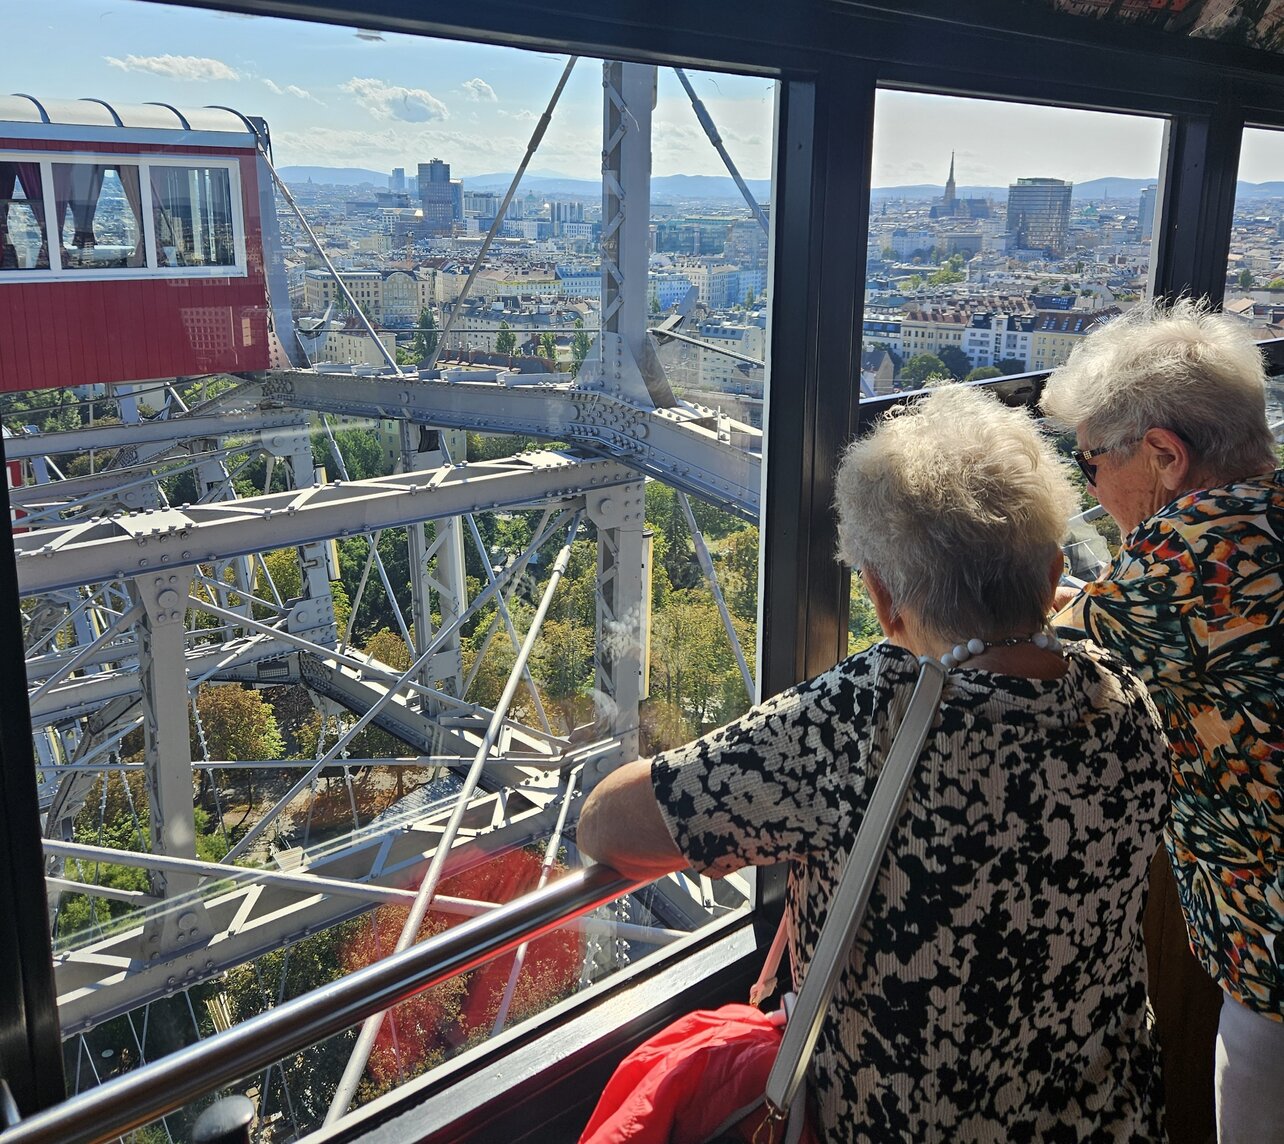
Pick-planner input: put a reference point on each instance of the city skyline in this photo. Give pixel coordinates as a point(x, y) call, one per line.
point(339, 96)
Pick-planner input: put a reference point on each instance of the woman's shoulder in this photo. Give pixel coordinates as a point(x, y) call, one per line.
point(1107, 682)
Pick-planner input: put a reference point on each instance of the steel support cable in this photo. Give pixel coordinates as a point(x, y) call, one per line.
point(239, 649)
point(364, 665)
point(173, 1081)
point(662, 334)
point(217, 872)
point(706, 565)
point(85, 653)
point(222, 586)
point(546, 868)
point(428, 887)
point(493, 626)
point(537, 137)
point(406, 679)
point(373, 540)
point(418, 761)
point(374, 550)
point(89, 602)
point(372, 668)
point(316, 242)
point(711, 130)
point(261, 564)
point(501, 610)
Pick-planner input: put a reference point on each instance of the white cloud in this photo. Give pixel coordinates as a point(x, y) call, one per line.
point(390, 101)
point(176, 67)
point(396, 145)
point(292, 89)
point(479, 91)
point(522, 116)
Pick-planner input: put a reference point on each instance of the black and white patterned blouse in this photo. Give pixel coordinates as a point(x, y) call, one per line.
point(997, 988)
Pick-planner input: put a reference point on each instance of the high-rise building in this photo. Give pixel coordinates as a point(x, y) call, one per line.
point(1039, 214)
point(1146, 210)
point(437, 196)
point(397, 183)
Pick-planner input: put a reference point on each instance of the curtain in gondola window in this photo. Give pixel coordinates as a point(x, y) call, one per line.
point(24, 244)
point(192, 207)
point(99, 215)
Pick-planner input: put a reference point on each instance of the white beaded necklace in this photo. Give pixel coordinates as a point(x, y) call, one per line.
point(962, 652)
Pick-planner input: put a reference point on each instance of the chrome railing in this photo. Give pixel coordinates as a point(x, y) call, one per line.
point(137, 1098)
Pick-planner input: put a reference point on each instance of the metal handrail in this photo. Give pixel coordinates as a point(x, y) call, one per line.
point(137, 1098)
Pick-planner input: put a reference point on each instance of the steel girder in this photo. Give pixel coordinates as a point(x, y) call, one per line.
point(111, 976)
point(168, 431)
point(691, 447)
point(130, 545)
point(304, 894)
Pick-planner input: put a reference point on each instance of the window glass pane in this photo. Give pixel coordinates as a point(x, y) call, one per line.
point(1255, 273)
point(22, 217)
point(193, 212)
point(1041, 231)
point(100, 211)
point(301, 718)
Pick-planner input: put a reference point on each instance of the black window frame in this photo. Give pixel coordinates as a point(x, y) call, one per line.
point(830, 57)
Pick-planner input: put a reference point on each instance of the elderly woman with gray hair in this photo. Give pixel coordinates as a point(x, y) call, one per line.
point(1170, 412)
point(996, 988)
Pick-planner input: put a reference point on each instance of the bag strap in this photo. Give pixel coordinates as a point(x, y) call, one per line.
point(851, 897)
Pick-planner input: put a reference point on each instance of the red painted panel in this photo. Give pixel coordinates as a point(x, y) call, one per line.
point(64, 333)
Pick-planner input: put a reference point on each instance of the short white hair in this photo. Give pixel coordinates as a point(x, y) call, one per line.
point(1183, 368)
point(958, 505)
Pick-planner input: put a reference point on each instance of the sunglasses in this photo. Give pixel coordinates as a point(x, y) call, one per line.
point(1085, 458)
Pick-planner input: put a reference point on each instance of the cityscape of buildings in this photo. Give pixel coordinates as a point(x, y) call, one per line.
point(962, 283)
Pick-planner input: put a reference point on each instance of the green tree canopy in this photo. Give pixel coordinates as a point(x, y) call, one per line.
point(922, 368)
point(983, 372)
point(238, 724)
point(1010, 365)
point(1245, 279)
point(505, 340)
point(955, 360)
point(426, 336)
point(548, 345)
point(580, 346)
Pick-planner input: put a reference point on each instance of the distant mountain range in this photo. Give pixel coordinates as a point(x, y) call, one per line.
point(721, 187)
point(335, 176)
point(1090, 189)
point(546, 183)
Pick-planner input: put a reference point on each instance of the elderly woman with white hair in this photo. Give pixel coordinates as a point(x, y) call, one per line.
point(1170, 412)
point(996, 988)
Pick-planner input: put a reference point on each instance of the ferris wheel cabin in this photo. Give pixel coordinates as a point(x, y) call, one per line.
point(131, 243)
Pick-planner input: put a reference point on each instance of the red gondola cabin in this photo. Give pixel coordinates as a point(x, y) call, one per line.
point(131, 244)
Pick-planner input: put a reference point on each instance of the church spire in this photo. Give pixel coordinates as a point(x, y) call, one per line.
point(949, 199)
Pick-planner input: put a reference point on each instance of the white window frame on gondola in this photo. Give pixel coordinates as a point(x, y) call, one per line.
point(152, 268)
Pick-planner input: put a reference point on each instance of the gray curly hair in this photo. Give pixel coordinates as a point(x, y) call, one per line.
point(958, 505)
point(1183, 368)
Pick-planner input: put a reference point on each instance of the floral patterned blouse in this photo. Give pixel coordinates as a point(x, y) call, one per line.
point(1195, 603)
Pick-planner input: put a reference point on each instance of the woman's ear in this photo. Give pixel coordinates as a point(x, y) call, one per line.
point(889, 618)
point(1170, 457)
point(1056, 566)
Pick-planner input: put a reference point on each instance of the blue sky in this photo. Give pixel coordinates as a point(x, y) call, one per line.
point(337, 97)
